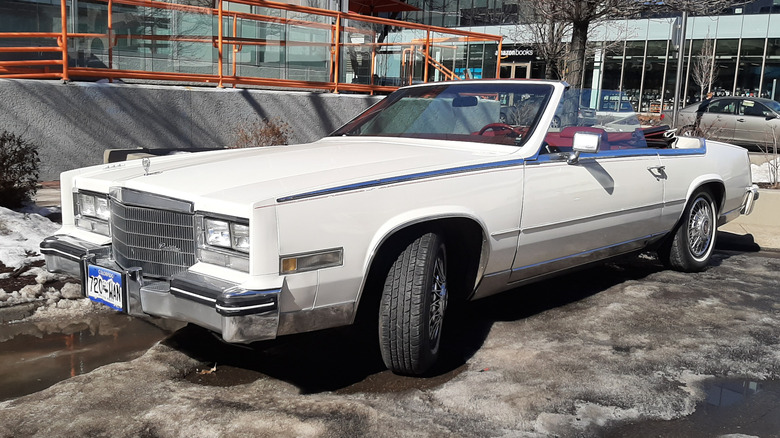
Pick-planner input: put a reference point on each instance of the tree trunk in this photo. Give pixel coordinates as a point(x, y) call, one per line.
point(550, 61)
point(575, 69)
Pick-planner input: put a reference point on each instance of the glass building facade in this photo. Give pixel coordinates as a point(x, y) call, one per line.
point(739, 49)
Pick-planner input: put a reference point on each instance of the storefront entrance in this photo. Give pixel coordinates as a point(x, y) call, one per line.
point(515, 70)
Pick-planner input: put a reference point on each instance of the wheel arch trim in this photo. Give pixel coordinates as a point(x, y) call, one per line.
point(408, 220)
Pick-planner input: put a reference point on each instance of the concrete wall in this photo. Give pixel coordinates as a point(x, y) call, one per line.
point(74, 123)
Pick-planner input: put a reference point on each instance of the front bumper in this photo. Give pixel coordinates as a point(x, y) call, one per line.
point(240, 315)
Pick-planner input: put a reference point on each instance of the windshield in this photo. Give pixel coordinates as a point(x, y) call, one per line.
point(490, 112)
point(774, 105)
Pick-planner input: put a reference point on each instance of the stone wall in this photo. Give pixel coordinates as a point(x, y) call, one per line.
point(75, 123)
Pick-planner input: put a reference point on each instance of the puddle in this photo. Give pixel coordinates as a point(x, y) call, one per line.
point(732, 407)
point(34, 356)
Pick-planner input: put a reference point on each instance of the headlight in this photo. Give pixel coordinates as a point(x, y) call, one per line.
point(224, 242)
point(92, 212)
point(217, 233)
point(225, 234)
point(239, 237)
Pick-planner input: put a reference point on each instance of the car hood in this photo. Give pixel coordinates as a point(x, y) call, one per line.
point(261, 175)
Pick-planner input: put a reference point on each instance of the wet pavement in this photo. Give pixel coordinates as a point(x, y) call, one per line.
point(624, 349)
point(747, 407)
point(36, 355)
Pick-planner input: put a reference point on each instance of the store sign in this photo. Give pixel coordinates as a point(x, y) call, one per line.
point(516, 53)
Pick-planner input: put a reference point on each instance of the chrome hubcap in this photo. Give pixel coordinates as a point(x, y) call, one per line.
point(700, 228)
point(439, 298)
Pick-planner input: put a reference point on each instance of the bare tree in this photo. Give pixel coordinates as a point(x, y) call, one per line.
point(550, 43)
point(580, 15)
point(704, 71)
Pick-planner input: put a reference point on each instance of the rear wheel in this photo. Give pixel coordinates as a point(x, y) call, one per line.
point(690, 247)
point(689, 131)
point(414, 301)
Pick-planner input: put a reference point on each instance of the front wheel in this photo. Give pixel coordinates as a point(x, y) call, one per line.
point(690, 247)
point(412, 309)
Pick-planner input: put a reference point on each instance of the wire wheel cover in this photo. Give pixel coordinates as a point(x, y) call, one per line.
point(700, 228)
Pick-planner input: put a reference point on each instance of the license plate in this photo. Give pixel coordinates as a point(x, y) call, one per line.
point(105, 286)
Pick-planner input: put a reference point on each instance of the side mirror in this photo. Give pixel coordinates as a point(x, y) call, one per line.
point(587, 142)
point(771, 116)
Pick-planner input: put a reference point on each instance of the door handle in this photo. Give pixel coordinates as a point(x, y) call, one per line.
point(740, 120)
point(659, 172)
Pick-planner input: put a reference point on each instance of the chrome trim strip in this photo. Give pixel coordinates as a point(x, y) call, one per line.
point(561, 157)
point(46, 251)
point(403, 178)
point(193, 295)
point(502, 233)
point(247, 293)
point(137, 198)
point(675, 202)
point(591, 218)
point(591, 251)
point(242, 308)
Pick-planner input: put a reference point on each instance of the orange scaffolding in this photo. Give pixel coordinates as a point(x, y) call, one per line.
point(32, 60)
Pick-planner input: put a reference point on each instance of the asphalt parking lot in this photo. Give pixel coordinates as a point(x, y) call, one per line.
point(623, 349)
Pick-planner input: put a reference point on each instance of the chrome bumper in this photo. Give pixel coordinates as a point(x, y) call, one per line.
point(240, 315)
point(751, 194)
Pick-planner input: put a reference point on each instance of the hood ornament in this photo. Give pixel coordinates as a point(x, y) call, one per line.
point(147, 163)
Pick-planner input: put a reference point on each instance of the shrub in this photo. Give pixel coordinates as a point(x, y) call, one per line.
point(266, 132)
point(18, 170)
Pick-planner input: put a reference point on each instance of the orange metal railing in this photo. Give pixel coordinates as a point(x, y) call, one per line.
point(386, 42)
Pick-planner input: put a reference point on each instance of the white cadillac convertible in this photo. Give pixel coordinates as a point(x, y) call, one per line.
point(440, 192)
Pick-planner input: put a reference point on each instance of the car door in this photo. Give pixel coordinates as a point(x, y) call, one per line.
point(752, 127)
point(718, 119)
point(575, 213)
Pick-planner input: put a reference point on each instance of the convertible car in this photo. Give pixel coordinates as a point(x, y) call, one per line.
point(425, 198)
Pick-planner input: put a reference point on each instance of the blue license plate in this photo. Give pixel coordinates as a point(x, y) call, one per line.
point(105, 286)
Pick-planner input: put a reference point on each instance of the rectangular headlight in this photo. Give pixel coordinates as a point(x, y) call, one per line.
point(224, 242)
point(217, 232)
point(239, 237)
point(92, 212)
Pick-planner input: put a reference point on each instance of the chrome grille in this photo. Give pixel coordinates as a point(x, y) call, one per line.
point(160, 242)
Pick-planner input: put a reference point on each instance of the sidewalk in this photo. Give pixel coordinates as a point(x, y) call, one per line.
point(48, 195)
point(763, 224)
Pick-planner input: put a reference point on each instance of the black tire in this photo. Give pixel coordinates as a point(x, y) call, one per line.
point(689, 131)
point(412, 309)
point(689, 248)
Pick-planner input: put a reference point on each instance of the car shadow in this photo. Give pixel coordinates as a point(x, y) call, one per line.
point(347, 359)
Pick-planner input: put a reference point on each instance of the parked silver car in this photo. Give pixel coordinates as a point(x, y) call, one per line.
point(751, 122)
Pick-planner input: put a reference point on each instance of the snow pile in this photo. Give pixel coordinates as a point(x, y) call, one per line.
point(762, 174)
point(21, 235)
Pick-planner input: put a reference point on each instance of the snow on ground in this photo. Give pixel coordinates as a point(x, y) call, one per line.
point(20, 235)
point(762, 174)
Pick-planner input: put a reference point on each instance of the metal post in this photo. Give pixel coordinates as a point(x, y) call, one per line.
point(219, 44)
point(498, 61)
point(110, 38)
point(680, 53)
point(64, 40)
point(337, 54)
point(427, 54)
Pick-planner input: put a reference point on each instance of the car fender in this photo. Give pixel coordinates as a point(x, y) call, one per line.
point(395, 224)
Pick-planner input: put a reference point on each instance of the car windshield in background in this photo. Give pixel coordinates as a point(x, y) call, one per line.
point(485, 112)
